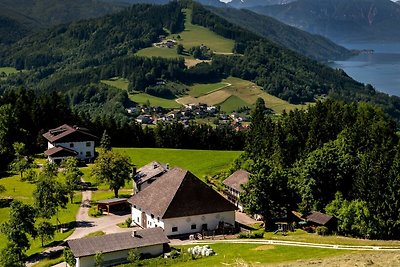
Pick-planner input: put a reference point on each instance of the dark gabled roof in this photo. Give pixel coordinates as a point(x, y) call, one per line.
point(67, 133)
point(179, 193)
point(116, 242)
point(318, 217)
point(59, 151)
point(236, 179)
point(112, 201)
point(149, 171)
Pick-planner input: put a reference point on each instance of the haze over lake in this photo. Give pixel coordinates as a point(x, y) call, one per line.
point(380, 69)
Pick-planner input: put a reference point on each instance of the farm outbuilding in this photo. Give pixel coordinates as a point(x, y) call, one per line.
point(115, 247)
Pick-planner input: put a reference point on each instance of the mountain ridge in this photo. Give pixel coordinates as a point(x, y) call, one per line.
point(341, 20)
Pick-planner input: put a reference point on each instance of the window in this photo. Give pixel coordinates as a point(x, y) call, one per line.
point(138, 219)
point(71, 145)
point(152, 216)
point(88, 154)
point(158, 218)
point(204, 227)
point(174, 229)
point(88, 144)
point(193, 226)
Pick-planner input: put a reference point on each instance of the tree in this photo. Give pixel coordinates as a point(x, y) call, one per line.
point(105, 141)
point(72, 175)
point(133, 255)
point(21, 161)
point(45, 230)
point(267, 192)
point(112, 168)
point(12, 256)
point(2, 189)
point(20, 224)
point(69, 257)
point(49, 195)
point(98, 259)
point(179, 49)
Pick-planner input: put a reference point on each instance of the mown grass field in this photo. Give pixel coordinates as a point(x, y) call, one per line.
point(158, 52)
point(143, 98)
point(303, 236)
point(200, 89)
point(120, 83)
point(23, 191)
point(258, 255)
point(232, 103)
point(8, 70)
point(199, 162)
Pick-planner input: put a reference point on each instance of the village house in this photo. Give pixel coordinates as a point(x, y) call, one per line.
point(181, 204)
point(115, 247)
point(70, 141)
point(144, 119)
point(233, 186)
point(147, 174)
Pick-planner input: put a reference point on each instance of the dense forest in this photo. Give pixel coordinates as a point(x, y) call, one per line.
point(334, 157)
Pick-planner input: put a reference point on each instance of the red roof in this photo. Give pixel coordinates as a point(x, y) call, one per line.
point(67, 133)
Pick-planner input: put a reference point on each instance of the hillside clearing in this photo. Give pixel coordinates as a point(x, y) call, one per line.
point(8, 70)
point(200, 89)
point(120, 83)
point(199, 162)
point(232, 103)
point(143, 98)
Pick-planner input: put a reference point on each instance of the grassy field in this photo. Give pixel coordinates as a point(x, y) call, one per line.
point(143, 98)
point(199, 162)
point(8, 70)
point(23, 191)
point(302, 236)
point(120, 83)
point(239, 93)
point(201, 89)
point(232, 103)
point(193, 35)
point(258, 255)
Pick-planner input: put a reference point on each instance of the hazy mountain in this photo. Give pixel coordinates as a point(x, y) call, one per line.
point(314, 46)
point(215, 3)
point(21, 17)
point(341, 20)
point(252, 3)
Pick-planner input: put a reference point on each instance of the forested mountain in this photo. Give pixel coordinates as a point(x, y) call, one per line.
point(341, 20)
point(20, 17)
point(313, 46)
point(103, 48)
point(252, 3)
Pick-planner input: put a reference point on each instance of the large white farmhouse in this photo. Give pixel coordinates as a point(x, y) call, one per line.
point(181, 203)
point(69, 141)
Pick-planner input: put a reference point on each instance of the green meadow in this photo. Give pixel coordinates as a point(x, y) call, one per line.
point(8, 70)
point(258, 255)
point(143, 98)
point(200, 89)
point(22, 191)
point(199, 162)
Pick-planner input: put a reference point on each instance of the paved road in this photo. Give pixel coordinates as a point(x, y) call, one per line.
point(87, 224)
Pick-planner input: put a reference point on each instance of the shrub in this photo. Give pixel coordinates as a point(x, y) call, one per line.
point(322, 230)
point(128, 222)
point(309, 229)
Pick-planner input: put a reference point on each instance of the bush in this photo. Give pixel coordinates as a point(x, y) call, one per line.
point(309, 229)
point(94, 212)
point(253, 234)
point(128, 222)
point(322, 230)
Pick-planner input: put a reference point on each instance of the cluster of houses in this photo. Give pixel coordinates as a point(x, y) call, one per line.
point(167, 203)
point(189, 112)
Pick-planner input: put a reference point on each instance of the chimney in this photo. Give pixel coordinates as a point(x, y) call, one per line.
point(133, 233)
point(133, 171)
point(155, 166)
point(167, 165)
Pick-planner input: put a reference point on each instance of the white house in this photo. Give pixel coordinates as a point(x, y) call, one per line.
point(147, 174)
point(115, 247)
point(181, 204)
point(233, 186)
point(66, 141)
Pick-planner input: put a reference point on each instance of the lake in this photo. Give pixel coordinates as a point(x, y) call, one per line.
point(380, 69)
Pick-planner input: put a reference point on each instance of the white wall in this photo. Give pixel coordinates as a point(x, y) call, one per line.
point(184, 223)
point(151, 221)
point(121, 256)
point(79, 147)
